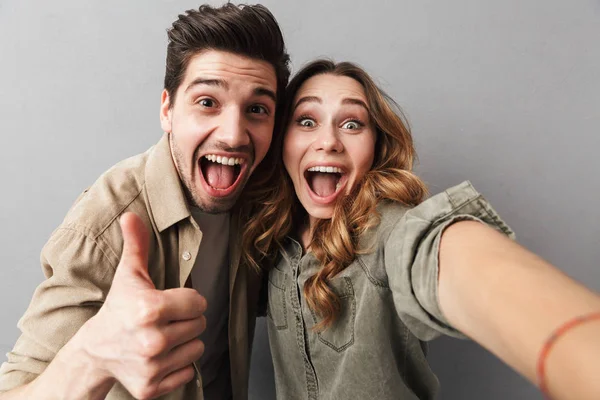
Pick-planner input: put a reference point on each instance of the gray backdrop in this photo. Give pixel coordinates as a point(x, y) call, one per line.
point(505, 94)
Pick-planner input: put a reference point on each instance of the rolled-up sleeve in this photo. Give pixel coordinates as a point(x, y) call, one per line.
point(78, 273)
point(411, 255)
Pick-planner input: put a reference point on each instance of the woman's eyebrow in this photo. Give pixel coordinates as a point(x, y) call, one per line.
point(308, 99)
point(355, 101)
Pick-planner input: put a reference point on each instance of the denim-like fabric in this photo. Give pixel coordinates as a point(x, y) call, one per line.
point(389, 307)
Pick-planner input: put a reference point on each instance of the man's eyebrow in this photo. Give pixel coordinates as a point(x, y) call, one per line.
point(262, 91)
point(308, 99)
point(355, 101)
point(209, 82)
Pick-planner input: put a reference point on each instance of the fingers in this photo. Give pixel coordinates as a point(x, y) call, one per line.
point(134, 259)
point(175, 380)
point(184, 355)
point(149, 388)
point(178, 333)
point(181, 304)
point(177, 361)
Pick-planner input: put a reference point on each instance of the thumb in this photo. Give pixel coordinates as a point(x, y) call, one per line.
point(134, 259)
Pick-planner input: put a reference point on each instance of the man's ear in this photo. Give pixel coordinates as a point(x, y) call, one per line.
point(165, 111)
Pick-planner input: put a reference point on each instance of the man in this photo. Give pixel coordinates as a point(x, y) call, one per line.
point(147, 258)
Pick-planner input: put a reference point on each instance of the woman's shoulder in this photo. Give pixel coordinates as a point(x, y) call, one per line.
point(461, 201)
point(389, 213)
point(392, 213)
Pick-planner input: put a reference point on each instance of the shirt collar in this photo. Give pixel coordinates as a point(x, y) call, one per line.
point(163, 185)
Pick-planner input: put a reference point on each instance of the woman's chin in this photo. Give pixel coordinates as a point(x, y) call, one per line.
point(316, 213)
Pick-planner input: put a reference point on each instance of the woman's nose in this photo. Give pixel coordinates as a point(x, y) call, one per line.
point(328, 140)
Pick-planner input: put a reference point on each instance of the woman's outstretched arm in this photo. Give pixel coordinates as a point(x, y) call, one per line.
point(510, 301)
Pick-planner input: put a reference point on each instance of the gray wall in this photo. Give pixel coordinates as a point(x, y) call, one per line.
point(506, 94)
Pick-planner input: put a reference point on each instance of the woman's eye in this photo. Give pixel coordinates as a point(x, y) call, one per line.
point(256, 109)
point(209, 103)
point(306, 122)
point(351, 125)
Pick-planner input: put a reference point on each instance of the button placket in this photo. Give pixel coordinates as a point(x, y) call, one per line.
point(295, 273)
point(189, 242)
point(311, 376)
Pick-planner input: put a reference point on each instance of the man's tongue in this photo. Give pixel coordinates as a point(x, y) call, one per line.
point(323, 184)
point(219, 176)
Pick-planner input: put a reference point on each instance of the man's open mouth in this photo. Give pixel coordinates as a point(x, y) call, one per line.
point(325, 181)
point(221, 173)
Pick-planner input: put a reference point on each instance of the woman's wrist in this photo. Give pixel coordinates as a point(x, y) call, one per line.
point(571, 368)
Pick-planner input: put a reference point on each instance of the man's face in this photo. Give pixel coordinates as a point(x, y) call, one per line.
point(220, 125)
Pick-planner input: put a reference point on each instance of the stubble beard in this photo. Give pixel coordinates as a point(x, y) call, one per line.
point(194, 194)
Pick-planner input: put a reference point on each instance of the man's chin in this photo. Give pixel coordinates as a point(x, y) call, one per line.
point(215, 201)
point(215, 205)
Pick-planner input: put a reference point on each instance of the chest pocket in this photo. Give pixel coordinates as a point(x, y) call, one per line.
point(277, 308)
point(340, 334)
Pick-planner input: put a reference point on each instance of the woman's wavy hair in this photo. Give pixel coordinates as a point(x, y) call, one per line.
point(274, 209)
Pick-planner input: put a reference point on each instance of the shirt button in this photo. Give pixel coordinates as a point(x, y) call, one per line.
point(187, 256)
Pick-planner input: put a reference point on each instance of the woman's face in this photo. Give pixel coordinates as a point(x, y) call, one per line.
point(329, 144)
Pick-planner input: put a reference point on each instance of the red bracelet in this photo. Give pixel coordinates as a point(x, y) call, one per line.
point(541, 368)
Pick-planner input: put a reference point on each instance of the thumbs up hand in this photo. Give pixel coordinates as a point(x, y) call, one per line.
point(132, 271)
point(145, 338)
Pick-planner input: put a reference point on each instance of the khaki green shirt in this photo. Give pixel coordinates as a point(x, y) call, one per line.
point(81, 256)
point(389, 307)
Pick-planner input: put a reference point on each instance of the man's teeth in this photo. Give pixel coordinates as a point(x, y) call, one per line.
point(330, 170)
point(224, 160)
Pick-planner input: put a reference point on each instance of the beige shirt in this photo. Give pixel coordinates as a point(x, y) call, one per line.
point(80, 258)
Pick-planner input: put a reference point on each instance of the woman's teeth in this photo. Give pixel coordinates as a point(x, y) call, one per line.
point(330, 170)
point(324, 180)
point(224, 160)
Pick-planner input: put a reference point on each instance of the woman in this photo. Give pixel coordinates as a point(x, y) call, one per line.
point(365, 271)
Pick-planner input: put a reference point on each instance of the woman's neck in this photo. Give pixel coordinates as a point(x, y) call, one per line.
point(305, 232)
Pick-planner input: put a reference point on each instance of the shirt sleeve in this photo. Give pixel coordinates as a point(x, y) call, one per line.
point(411, 255)
point(78, 277)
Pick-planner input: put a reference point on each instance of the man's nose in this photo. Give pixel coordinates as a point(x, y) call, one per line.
point(233, 129)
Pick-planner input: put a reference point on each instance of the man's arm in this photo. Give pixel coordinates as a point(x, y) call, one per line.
point(509, 300)
point(142, 337)
point(72, 374)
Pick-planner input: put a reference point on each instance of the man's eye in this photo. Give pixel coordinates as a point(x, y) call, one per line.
point(351, 125)
point(209, 103)
point(306, 122)
point(256, 109)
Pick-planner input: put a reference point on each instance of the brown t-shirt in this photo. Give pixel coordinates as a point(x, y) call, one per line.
point(210, 277)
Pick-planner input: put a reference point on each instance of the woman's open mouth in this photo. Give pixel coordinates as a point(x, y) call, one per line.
point(221, 174)
point(325, 182)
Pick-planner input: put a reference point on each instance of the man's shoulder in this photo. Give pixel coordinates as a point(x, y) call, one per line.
point(117, 190)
